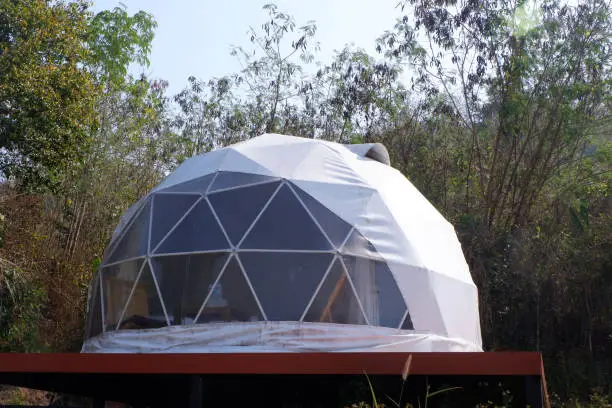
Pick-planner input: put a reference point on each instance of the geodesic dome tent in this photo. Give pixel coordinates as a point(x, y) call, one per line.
point(282, 243)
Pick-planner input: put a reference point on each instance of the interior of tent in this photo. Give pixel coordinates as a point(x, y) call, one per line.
point(185, 279)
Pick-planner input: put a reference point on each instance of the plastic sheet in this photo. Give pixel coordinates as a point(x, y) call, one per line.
point(273, 337)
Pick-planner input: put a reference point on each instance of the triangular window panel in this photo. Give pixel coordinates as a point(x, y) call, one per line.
point(167, 210)
point(230, 179)
point(126, 220)
point(336, 301)
point(391, 305)
point(380, 297)
point(197, 185)
point(135, 241)
point(407, 324)
point(358, 245)
point(117, 283)
point(144, 310)
point(238, 208)
point(286, 225)
point(335, 227)
point(198, 231)
point(231, 299)
point(285, 282)
point(184, 281)
point(94, 322)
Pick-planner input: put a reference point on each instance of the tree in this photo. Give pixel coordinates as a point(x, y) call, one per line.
point(56, 59)
point(365, 97)
point(265, 96)
point(515, 102)
point(273, 79)
point(116, 40)
point(47, 97)
point(209, 116)
point(527, 83)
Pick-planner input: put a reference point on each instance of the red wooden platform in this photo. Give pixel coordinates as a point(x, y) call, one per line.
point(46, 371)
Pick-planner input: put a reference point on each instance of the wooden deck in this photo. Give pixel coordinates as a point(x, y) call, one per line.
point(125, 376)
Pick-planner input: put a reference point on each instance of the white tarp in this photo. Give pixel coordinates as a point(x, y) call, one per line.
point(271, 337)
point(280, 223)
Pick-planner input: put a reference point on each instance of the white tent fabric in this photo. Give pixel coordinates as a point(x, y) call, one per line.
point(291, 237)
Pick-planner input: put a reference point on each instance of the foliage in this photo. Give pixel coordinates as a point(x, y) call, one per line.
point(46, 97)
point(20, 310)
point(56, 58)
point(400, 402)
point(116, 40)
point(364, 97)
point(271, 71)
point(209, 116)
point(133, 149)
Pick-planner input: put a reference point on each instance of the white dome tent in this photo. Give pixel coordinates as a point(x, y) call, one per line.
point(282, 243)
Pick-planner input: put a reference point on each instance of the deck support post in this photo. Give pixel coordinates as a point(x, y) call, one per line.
point(195, 391)
point(533, 391)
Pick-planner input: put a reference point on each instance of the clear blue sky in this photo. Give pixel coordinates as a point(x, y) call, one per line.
point(194, 36)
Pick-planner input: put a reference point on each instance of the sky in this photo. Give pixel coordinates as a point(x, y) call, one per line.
point(194, 37)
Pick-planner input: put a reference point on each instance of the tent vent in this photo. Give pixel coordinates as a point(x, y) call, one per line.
point(374, 151)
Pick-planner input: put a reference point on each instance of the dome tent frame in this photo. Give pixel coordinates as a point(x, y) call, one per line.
point(336, 253)
point(201, 187)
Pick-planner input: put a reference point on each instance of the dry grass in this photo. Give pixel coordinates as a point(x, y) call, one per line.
point(33, 242)
point(24, 396)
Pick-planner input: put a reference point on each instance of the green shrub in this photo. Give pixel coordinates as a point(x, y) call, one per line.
point(21, 302)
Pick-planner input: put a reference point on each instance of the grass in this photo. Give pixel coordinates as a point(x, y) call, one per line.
point(400, 401)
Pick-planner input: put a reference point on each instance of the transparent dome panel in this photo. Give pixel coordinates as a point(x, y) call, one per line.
point(407, 323)
point(126, 219)
point(144, 309)
point(335, 227)
point(377, 290)
point(358, 245)
point(198, 231)
point(135, 241)
point(167, 211)
point(238, 208)
point(94, 309)
point(230, 179)
point(231, 298)
point(284, 282)
point(185, 281)
point(117, 284)
point(336, 301)
point(285, 224)
point(197, 185)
